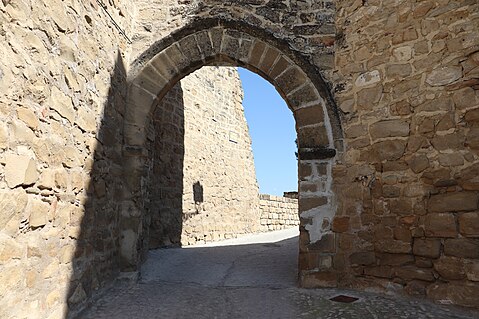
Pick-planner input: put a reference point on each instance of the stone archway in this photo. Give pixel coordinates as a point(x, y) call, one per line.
point(228, 43)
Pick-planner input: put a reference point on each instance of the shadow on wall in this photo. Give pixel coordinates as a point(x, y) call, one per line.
point(166, 140)
point(97, 258)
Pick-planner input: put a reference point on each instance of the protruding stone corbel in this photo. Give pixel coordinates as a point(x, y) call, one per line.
point(316, 153)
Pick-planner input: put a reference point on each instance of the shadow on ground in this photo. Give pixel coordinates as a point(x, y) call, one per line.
point(272, 265)
point(245, 281)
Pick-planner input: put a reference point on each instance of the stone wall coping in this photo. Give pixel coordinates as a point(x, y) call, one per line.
point(277, 198)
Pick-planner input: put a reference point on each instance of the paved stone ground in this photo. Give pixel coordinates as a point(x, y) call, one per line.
point(249, 277)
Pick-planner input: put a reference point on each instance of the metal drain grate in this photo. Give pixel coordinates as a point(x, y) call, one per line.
point(343, 298)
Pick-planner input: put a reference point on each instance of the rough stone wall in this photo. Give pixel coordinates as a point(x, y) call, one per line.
point(407, 187)
point(206, 188)
point(62, 73)
point(278, 212)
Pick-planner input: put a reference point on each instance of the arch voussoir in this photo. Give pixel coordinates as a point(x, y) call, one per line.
point(164, 65)
point(231, 45)
point(204, 44)
point(177, 58)
point(189, 47)
point(291, 79)
point(304, 96)
point(216, 38)
point(256, 54)
point(150, 80)
point(270, 56)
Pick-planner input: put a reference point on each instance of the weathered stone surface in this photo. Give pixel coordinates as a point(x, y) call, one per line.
point(309, 116)
point(395, 259)
point(444, 75)
point(472, 138)
point(12, 204)
point(465, 248)
point(9, 249)
point(463, 98)
point(440, 225)
point(411, 273)
point(327, 244)
point(313, 136)
point(403, 53)
point(86, 120)
point(369, 78)
point(442, 103)
point(340, 224)
point(427, 247)
point(398, 70)
point(62, 103)
point(450, 268)
point(447, 142)
point(472, 270)
point(379, 271)
point(472, 117)
point(418, 163)
point(47, 179)
point(20, 170)
point(3, 136)
point(308, 203)
point(38, 213)
point(453, 202)
point(363, 258)
point(389, 150)
point(393, 246)
point(367, 98)
point(469, 224)
point(453, 159)
point(389, 128)
point(28, 117)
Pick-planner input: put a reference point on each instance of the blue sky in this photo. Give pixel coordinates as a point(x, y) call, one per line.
point(271, 126)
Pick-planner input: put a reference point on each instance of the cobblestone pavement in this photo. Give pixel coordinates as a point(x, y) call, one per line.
point(240, 280)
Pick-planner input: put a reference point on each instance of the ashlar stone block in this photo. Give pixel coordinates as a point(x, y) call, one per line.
point(309, 115)
point(430, 248)
point(469, 224)
point(389, 128)
point(462, 247)
point(453, 202)
point(257, 53)
point(440, 225)
point(291, 79)
point(20, 170)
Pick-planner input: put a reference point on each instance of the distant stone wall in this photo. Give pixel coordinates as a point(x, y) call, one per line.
point(278, 212)
point(203, 177)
